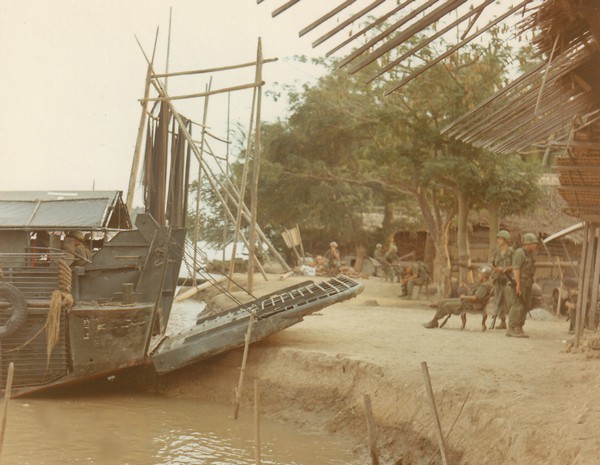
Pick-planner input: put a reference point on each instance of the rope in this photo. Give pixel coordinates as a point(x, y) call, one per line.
point(60, 299)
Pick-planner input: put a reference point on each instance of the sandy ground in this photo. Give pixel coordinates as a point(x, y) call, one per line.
point(512, 401)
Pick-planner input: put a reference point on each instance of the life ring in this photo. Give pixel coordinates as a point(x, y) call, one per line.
point(18, 303)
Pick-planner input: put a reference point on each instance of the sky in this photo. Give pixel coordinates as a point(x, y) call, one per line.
point(72, 74)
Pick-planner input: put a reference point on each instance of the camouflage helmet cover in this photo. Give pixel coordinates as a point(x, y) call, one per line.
point(529, 238)
point(503, 234)
point(485, 270)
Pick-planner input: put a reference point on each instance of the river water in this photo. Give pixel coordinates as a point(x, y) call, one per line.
point(145, 429)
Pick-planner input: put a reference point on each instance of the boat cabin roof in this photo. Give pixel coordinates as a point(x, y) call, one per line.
point(61, 210)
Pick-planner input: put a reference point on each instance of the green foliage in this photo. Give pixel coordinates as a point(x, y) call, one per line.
point(345, 148)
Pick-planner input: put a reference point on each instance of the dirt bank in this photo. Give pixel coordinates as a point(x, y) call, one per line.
point(528, 400)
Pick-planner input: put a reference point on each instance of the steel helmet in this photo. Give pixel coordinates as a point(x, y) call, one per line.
point(529, 238)
point(485, 270)
point(503, 234)
point(333, 244)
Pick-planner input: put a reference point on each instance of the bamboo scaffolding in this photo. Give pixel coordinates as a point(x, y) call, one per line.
point(199, 184)
point(347, 22)
point(212, 70)
point(255, 173)
point(382, 35)
point(213, 180)
point(135, 165)
point(369, 27)
point(453, 49)
point(325, 17)
point(406, 34)
point(252, 85)
point(238, 218)
point(284, 7)
point(430, 39)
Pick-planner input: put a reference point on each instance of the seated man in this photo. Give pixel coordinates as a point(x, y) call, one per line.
point(472, 302)
point(77, 251)
point(418, 276)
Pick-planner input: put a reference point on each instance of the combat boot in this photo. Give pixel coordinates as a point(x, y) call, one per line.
point(432, 324)
point(502, 325)
point(514, 331)
point(519, 332)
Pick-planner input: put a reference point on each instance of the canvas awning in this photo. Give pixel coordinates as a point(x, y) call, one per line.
point(94, 210)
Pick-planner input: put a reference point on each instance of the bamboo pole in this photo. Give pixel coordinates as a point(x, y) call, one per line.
point(371, 431)
point(255, 172)
point(252, 85)
point(213, 70)
point(238, 219)
point(594, 283)
point(199, 184)
point(135, 164)
point(238, 391)
point(257, 422)
point(441, 442)
point(7, 392)
point(226, 168)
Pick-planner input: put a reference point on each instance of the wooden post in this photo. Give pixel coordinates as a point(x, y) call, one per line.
point(238, 391)
point(7, 391)
point(436, 418)
point(371, 431)
point(595, 280)
point(255, 172)
point(584, 283)
point(257, 422)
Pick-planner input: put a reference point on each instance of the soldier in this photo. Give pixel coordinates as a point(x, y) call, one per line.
point(391, 263)
point(501, 263)
point(518, 290)
point(473, 301)
point(379, 258)
point(419, 276)
point(332, 257)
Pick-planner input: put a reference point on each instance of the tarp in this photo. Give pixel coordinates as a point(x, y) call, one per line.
point(60, 210)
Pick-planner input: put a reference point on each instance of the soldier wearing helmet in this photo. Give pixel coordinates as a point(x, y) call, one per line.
point(332, 259)
point(501, 263)
point(391, 263)
point(518, 291)
point(472, 302)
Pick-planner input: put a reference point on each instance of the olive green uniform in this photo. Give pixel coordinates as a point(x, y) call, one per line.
point(520, 304)
point(500, 280)
point(419, 278)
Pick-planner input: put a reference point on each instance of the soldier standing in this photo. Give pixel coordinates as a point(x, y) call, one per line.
point(332, 256)
point(501, 263)
point(391, 263)
point(379, 257)
point(518, 290)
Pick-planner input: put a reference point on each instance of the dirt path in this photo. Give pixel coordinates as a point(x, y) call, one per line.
point(529, 401)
